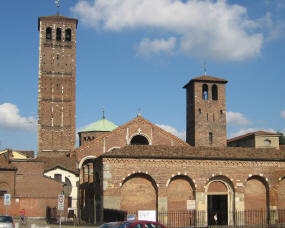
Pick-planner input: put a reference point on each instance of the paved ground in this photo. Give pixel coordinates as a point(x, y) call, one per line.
point(40, 223)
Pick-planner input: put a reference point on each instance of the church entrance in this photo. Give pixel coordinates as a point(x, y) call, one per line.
point(217, 209)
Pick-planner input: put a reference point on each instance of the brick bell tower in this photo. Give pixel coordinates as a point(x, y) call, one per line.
point(206, 112)
point(56, 84)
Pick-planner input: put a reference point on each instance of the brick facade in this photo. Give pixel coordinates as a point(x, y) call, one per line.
point(206, 112)
point(56, 84)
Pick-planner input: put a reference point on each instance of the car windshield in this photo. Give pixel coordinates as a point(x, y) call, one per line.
point(7, 219)
point(107, 225)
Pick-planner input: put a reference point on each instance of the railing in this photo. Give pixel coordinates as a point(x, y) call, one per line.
point(193, 218)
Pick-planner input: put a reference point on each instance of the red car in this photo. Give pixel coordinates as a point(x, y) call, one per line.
point(139, 224)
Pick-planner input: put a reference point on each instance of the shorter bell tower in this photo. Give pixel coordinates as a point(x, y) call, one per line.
point(206, 111)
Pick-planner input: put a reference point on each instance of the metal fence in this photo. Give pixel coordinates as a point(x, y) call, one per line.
point(193, 218)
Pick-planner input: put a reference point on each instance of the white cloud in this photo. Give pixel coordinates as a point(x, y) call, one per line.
point(213, 29)
point(10, 118)
point(282, 113)
point(237, 119)
point(247, 130)
point(148, 47)
point(172, 130)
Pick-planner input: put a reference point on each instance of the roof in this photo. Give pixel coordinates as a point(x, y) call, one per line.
point(56, 17)
point(140, 118)
point(206, 78)
point(100, 125)
point(19, 154)
point(196, 153)
point(66, 163)
point(255, 133)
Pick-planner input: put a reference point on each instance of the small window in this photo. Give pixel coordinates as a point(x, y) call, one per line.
point(210, 138)
point(58, 34)
point(68, 35)
point(200, 111)
point(57, 177)
point(205, 92)
point(221, 112)
point(49, 33)
point(214, 92)
point(69, 201)
point(267, 142)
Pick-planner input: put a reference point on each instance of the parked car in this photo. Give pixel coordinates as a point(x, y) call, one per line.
point(6, 221)
point(109, 225)
point(139, 224)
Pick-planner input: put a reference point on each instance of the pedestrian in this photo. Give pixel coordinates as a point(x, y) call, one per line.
point(216, 218)
point(22, 215)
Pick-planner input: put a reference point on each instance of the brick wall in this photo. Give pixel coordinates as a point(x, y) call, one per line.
point(56, 92)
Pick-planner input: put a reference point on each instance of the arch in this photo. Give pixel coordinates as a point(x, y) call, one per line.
point(139, 139)
point(85, 159)
point(180, 189)
point(205, 92)
point(220, 200)
point(4, 188)
point(58, 34)
point(256, 198)
point(112, 148)
point(214, 92)
point(68, 34)
point(138, 192)
point(48, 33)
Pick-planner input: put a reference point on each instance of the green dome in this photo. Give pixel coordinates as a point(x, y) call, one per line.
point(101, 125)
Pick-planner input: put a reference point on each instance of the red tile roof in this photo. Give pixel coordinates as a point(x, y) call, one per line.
point(253, 134)
point(196, 153)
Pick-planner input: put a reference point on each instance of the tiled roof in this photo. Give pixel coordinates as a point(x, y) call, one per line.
point(196, 153)
point(252, 134)
point(206, 78)
point(124, 126)
point(67, 163)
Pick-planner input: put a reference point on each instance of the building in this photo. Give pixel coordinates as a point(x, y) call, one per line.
point(257, 139)
point(139, 166)
point(56, 82)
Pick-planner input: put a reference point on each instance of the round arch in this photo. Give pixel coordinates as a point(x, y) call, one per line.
point(220, 200)
point(85, 159)
point(4, 188)
point(256, 197)
point(138, 191)
point(140, 137)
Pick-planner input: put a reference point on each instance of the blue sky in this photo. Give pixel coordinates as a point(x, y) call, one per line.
point(138, 54)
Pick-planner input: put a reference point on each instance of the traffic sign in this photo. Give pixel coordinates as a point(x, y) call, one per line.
point(7, 199)
point(60, 202)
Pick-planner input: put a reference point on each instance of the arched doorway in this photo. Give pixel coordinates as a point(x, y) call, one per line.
point(138, 192)
point(220, 201)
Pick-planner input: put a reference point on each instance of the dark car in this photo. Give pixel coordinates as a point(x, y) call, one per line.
point(139, 224)
point(6, 221)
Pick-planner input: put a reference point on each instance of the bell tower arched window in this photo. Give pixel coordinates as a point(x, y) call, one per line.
point(58, 34)
point(205, 92)
point(68, 35)
point(214, 92)
point(49, 33)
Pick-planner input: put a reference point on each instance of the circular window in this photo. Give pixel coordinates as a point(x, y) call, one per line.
point(267, 141)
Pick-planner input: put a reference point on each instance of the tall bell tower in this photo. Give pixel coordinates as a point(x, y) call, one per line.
point(56, 84)
point(206, 112)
